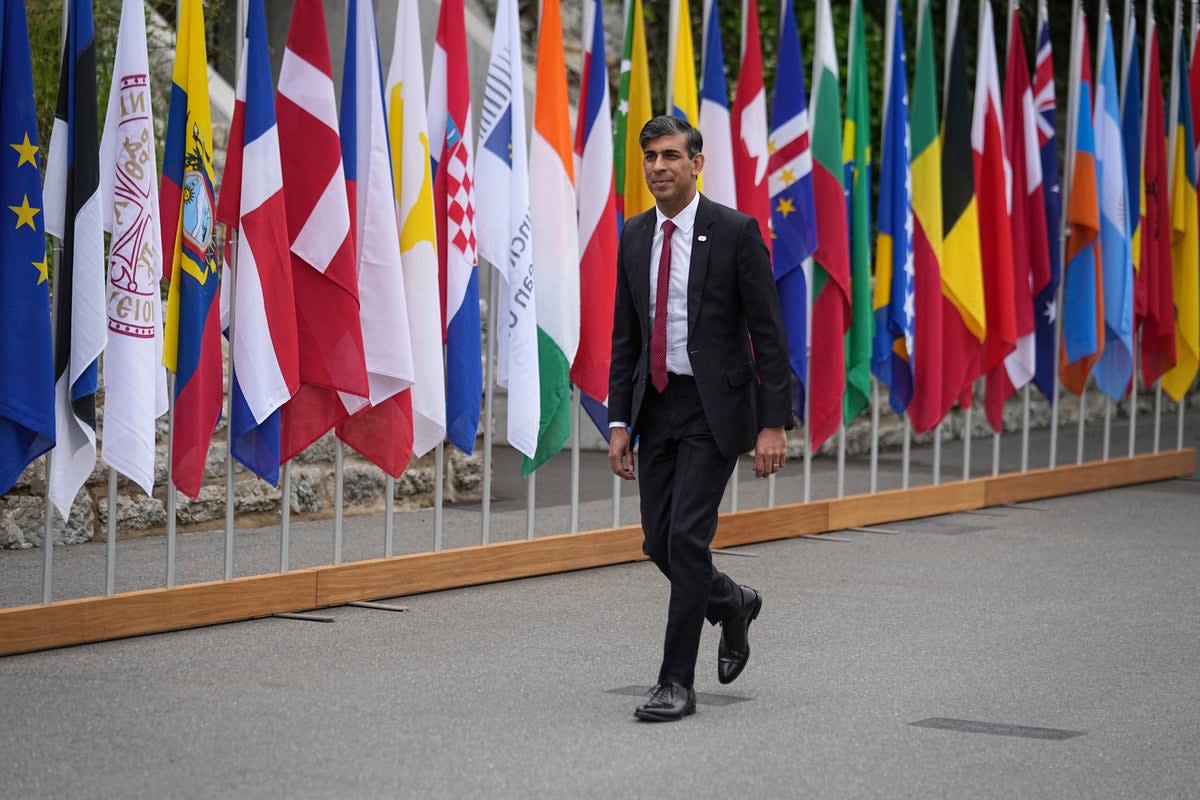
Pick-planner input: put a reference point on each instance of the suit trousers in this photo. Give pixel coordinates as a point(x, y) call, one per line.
point(683, 478)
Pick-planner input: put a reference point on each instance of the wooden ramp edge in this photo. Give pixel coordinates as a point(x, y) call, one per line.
point(94, 619)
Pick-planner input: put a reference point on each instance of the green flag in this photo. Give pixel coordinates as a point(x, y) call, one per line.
point(856, 154)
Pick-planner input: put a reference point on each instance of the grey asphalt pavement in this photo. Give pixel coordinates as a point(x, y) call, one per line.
point(1048, 649)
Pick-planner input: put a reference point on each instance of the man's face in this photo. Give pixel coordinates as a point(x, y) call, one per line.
point(670, 174)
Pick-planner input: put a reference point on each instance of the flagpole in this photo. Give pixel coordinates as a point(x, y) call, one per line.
point(1127, 56)
point(937, 454)
point(1069, 173)
point(439, 493)
point(1108, 406)
point(575, 408)
point(285, 517)
point(906, 454)
point(172, 503)
point(874, 436)
point(841, 461)
point(1133, 403)
point(489, 392)
point(530, 503)
point(616, 502)
point(229, 396)
point(968, 423)
point(996, 453)
point(110, 542)
point(339, 456)
point(1025, 429)
point(807, 427)
point(1158, 393)
point(1172, 115)
point(48, 522)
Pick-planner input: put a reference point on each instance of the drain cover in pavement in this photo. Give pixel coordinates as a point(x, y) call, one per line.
point(703, 698)
point(996, 728)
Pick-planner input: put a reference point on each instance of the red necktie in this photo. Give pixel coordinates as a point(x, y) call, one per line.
point(658, 334)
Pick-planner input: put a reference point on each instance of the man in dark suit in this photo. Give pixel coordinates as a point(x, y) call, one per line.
point(699, 372)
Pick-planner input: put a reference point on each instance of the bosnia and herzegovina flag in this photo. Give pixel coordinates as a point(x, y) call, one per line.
point(894, 296)
point(73, 215)
point(927, 407)
point(192, 347)
point(965, 320)
point(26, 378)
point(1083, 310)
point(1185, 247)
point(1114, 368)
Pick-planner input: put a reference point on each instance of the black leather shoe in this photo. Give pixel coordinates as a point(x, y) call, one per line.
point(668, 702)
point(734, 650)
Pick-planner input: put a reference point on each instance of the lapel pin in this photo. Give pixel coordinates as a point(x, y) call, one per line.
point(702, 238)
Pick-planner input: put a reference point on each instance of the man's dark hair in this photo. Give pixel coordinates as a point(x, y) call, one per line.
point(669, 126)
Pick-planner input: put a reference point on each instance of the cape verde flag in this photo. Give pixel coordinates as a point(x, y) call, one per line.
point(266, 366)
point(454, 205)
point(790, 182)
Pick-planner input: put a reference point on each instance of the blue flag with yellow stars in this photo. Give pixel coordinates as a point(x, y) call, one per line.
point(26, 362)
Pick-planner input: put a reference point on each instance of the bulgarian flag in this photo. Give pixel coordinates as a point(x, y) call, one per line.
point(831, 260)
point(555, 238)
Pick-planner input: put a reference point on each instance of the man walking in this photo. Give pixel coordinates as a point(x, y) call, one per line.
point(700, 372)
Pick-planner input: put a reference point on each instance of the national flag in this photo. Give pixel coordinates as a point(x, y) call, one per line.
point(633, 112)
point(1115, 367)
point(749, 127)
point(73, 215)
point(324, 274)
point(1030, 243)
point(856, 155)
point(135, 383)
point(266, 358)
point(831, 260)
point(894, 298)
point(681, 65)
point(793, 216)
point(1185, 247)
point(1083, 299)
point(930, 401)
point(597, 214)
point(965, 316)
point(993, 175)
point(1045, 300)
point(454, 207)
point(555, 238)
point(408, 134)
point(1131, 140)
point(1153, 293)
point(380, 428)
point(505, 238)
point(26, 355)
point(714, 114)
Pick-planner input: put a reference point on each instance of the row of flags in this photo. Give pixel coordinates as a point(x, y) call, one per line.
point(350, 220)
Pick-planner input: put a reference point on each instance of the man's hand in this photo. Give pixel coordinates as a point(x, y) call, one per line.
point(620, 453)
point(770, 451)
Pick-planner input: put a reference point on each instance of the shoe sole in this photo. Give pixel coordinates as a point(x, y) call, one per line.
point(650, 716)
point(753, 616)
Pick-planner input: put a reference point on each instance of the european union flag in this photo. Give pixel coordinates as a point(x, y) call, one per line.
point(26, 359)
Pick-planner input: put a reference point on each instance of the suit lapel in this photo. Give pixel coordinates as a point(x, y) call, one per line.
point(640, 260)
point(698, 269)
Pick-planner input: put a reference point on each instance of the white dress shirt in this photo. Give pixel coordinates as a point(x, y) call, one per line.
point(677, 291)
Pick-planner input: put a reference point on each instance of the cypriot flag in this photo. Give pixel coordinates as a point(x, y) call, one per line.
point(555, 238)
point(502, 220)
point(409, 137)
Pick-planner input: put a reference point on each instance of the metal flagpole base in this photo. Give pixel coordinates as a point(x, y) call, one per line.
point(302, 617)
point(377, 606)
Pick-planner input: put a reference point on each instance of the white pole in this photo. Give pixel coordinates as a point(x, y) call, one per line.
point(338, 481)
point(937, 454)
point(489, 390)
point(875, 435)
point(172, 509)
point(1108, 408)
point(1082, 424)
point(389, 515)
point(530, 504)
point(906, 453)
point(771, 490)
point(967, 426)
point(1133, 404)
point(110, 544)
point(439, 493)
point(841, 462)
point(575, 415)
point(229, 396)
point(995, 453)
point(1179, 423)
point(285, 519)
point(1158, 415)
point(616, 502)
point(1025, 429)
point(48, 543)
point(734, 486)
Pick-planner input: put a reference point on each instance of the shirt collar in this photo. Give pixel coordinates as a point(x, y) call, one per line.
point(684, 221)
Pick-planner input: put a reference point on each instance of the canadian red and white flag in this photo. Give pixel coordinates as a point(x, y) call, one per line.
point(748, 120)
